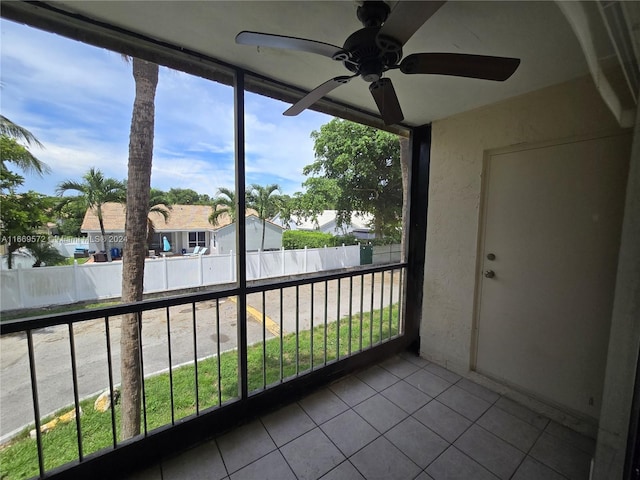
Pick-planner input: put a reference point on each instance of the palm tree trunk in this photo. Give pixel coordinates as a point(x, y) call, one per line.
point(105, 242)
point(264, 224)
point(137, 208)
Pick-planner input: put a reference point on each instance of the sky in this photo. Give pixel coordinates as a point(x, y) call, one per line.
point(77, 100)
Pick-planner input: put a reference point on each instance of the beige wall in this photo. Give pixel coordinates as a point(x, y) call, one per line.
point(624, 339)
point(563, 111)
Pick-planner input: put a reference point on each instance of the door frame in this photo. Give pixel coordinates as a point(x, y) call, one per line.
point(482, 218)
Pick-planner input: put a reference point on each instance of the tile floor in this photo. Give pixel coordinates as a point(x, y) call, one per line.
point(402, 419)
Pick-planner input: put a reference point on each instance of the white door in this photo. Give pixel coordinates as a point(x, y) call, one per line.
point(552, 219)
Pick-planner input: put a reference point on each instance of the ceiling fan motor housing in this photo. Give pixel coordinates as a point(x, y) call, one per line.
point(366, 58)
point(373, 13)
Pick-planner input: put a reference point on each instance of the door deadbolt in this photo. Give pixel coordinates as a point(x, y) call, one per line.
point(489, 274)
point(491, 256)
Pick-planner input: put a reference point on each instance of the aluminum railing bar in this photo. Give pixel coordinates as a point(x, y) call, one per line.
point(44, 321)
point(76, 396)
point(373, 275)
point(391, 305)
point(311, 326)
point(403, 300)
point(195, 355)
point(218, 350)
point(142, 382)
point(267, 284)
point(297, 330)
point(350, 313)
point(281, 338)
point(114, 430)
point(170, 358)
point(382, 275)
point(326, 303)
point(361, 308)
point(338, 323)
point(34, 395)
point(264, 341)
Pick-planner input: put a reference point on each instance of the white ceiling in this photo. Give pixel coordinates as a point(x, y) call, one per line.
point(535, 32)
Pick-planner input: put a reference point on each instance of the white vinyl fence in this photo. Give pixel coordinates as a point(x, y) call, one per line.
point(67, 245)
point(39, 287)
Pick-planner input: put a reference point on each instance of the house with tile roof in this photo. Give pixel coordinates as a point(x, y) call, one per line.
point(186, 227)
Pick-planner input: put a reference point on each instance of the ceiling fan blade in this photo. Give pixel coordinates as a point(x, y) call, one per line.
point(461, 65)
point(289, 43)
point(316, 94)
point(385, 96)
point(407, 17)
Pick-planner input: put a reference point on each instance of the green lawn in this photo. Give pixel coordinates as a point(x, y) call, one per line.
point(19, 459)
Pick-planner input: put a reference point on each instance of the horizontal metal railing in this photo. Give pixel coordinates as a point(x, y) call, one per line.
point(188, 343)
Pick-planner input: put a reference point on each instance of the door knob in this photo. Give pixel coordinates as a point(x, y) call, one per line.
point(489, 274)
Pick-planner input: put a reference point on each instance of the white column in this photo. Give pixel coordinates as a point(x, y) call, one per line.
point(21, 299)
point(304, 263)
point(165, 273)
point(76, 284)
point(282, 258)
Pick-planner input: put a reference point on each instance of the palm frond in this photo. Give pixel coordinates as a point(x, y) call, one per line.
point(13, 130)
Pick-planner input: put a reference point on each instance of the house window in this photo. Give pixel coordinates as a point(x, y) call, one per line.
point(196, 239)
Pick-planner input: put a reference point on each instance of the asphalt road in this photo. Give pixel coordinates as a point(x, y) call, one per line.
point(52, 346)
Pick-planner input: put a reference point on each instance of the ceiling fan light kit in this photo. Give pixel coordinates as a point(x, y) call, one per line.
point(377, 48)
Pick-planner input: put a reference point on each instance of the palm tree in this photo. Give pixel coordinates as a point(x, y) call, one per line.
point(93, 192)
point(44, 252)
point(141, 136)
point(13, 130)
point(224, 203)
point(262, 200)
point(14, 152)
point(160, 209)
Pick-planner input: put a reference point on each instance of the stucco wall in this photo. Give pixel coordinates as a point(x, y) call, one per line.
point(458, 144)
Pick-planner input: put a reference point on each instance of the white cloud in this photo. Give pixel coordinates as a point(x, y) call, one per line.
point(77, 100)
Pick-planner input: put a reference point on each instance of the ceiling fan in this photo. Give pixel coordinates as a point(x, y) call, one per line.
point(377, 48)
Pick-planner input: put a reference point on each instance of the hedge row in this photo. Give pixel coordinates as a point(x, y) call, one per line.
point(295, 239)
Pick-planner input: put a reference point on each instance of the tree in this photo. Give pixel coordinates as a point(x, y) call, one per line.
point(285, 205)
point(19, 155)
point(93, 192)
point(15, 131)
point(141, 136)
point(69, 216)
point(22, 214)
point(263, 201)
point(223, 203)
point(320, 194)
point(160, 209)
point(183, 196)
point(44, 252)
point(365, 164)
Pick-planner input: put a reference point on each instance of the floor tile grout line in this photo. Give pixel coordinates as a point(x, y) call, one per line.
point(361, 448)
point(557, 437)
point(542, 432)
point(224, 464)
point(410, 413)
point(379, 391)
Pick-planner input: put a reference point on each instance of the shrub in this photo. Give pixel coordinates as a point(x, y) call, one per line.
point(296, 239)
